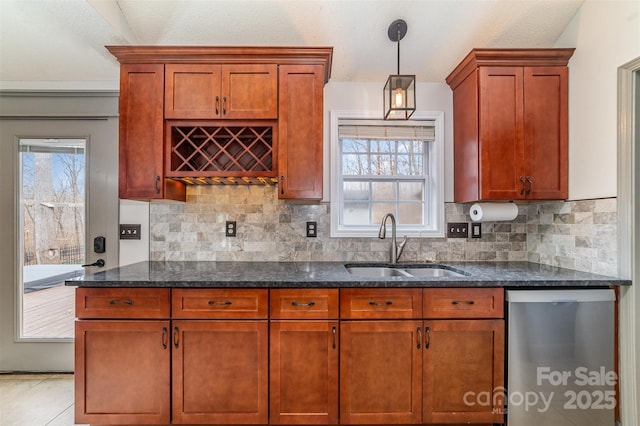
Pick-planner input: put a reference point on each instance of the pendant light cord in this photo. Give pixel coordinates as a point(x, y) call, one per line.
point(398, 27)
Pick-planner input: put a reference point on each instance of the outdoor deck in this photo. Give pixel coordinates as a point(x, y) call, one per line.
point(50, 312)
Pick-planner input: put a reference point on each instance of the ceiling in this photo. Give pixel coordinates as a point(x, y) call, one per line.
point(62, 41)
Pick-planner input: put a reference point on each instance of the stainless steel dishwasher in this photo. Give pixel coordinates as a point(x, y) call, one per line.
point(560, 359)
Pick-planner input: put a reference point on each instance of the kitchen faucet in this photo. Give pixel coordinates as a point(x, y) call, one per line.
point(396, 249)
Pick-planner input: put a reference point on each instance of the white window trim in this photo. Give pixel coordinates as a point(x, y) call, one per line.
point(436, 166)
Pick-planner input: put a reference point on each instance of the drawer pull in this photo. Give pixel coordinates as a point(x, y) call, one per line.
point(387, 303)
point(462, 302)
point(294, 303)
point(333, 331)
point(165, 337)
point(123, 301)
point(214, 303)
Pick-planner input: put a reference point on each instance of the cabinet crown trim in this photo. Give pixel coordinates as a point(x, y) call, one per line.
point(225, 54)
point(507, 58)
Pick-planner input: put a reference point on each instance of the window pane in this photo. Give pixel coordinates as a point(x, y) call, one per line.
point(354, 145)
point(410, 191)
point(382, 146)
point(380, 209)
point(384, 191)
point(410, 213)
point(382, 165)
point(354, 164)
point(355, 191)
point(356, 213)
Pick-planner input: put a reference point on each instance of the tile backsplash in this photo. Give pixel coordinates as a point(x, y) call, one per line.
point(269, 229)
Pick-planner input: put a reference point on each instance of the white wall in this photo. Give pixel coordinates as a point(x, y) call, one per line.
point(606, 34)
point(135, 212)
point(353, 96)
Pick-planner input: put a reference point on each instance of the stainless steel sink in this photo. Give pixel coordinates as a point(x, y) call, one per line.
point(403, 271)
point(376, 271)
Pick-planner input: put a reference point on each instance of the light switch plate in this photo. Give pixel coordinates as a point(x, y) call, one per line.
point(457, 230)
point(129, 231)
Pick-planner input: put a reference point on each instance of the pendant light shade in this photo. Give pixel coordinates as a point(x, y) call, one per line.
point(400, 90)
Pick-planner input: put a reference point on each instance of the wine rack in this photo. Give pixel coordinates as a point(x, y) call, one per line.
point(200, 150)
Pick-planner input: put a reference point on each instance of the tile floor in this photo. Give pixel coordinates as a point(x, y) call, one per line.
point(36, 399)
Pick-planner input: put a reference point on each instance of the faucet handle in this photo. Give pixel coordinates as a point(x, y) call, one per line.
point(401, 245)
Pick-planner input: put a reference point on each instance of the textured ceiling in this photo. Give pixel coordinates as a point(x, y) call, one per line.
point(63, 40)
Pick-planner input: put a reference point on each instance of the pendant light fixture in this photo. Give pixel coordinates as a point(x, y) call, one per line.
point(400, 90)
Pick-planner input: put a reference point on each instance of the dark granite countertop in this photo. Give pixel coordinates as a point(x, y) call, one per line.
point(334, 275)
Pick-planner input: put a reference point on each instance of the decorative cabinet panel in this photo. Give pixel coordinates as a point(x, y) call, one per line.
point(511, 125)
point(141, 147)
point(210, 91)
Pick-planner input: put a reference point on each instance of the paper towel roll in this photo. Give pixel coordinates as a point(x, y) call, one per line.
point(493, 212)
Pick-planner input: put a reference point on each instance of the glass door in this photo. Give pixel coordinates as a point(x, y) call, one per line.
point(52, 218)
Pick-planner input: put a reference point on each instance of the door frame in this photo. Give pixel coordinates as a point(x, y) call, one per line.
point(629, 238)
point(26, 114)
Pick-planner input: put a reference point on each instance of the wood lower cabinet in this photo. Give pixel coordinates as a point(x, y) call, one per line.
point(219, 371)
point(381, 372)
point(304, 353)
point(510, 109)
point(141, 135)
point(463, 371)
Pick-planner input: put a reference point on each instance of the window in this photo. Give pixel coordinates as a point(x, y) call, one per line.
point(381, 167)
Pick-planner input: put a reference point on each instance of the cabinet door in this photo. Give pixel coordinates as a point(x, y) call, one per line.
point(464, 371)
point(220, 372)
point(122, 372)
point(304, 372)
point(249, 91)
point(501, 133)
point(380, 372)
point(546, 132)
point(142, 135)
point(192, 91)
point(300, 131)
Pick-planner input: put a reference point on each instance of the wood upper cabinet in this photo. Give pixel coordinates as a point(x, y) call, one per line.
point(511, 125)
point(141, 146)
point(300, 131)
point(463, 369)
point(220, 372)
point(213, 91)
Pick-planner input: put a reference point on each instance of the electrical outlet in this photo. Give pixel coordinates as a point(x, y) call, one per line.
point(476, 230)
point(230, 228)
point(129, 232)
point(457, 230)
point(312, 229)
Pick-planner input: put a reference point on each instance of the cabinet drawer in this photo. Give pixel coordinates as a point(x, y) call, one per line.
point(219, 303)
point(150, 303)
point(304, 304)
point(381, 303)
point(463, 303)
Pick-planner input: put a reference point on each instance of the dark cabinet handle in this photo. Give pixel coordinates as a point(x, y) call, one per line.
point(387, 303)
point(462, 302)
point(522, 182)
point(225, 303)
point(428, 342)
point(165, 337)
point(419, 337)
point(157, 184)
point(224, 105)
point(175, 337)
point(217, 105)
point(333, 331)
point(294, 303)
point(123, 301)
point(282, 185)
point(530, 185)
